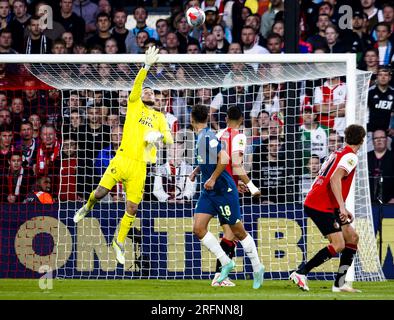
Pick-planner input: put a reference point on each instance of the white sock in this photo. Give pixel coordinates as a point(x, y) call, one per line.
point(213, 245)
point(251, 251)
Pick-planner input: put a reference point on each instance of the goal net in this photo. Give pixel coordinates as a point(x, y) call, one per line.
point(294, 113)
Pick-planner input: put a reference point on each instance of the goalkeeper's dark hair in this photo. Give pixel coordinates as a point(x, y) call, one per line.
point(200, 113)
point(234, 113)
point(354, 134)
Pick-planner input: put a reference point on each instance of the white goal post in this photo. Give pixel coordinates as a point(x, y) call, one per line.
point(59, 71)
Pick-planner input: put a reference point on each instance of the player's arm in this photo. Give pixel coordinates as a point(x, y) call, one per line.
point(239, 170)
point(165, 130)
point(151, 56)
point(194, 173)
point(223, 160)
point(336, 187)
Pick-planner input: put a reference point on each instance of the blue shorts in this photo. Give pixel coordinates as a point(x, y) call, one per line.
point(225, 205)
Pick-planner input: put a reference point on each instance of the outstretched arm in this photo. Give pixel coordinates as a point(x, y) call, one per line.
point(151, 56)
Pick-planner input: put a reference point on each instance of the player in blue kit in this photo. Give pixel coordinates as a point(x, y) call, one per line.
point(219, 196)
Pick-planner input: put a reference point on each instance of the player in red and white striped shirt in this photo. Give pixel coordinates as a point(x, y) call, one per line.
point(325, 205)
point(234, 143)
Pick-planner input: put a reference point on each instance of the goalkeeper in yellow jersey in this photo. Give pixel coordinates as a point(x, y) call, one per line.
point(143, 128)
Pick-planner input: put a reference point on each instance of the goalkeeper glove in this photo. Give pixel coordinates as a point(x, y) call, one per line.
point(151, 56)
point(153, 136)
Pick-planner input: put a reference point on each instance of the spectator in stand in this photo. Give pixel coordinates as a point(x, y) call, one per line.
point(268, 18)
point(314, 135)
point(68, 39)
point(119, 31)
point(335, 141)
point(3, 100)
point(388, 15)
point(182, 31)
point(254, 21)
point(163, 104)
point(318, 40)
point(113, 119)
point(28, 145)
point(36, 122)
point(172, 182)
point(6, 147)
point(34, 100)
point(68, 172)
point(334, 45)
point(5, 117)
point(105, 6)
point(222, 43)
point(53, 31)
point(17, 112)
point(370, 62)
point(70, 21)
point(111, 46)
point(15, 180)
point(249, 45)
point(374, 14)
point(58, 46)
point(42, 192)
point(193, 48)
point(103, 23)
point(88, 11)
point(162, 29)
point(330, 102)
point(93, 137)
point(80, 48)
point(5, 14)
point(19, 24)
point(380, 103)
point(6, 41)
point(383, 44)
point(275, 43)
point(210, 44)
point(312, 171)
point(172, 43)
point(36, 42)
point(381, 169)
point(239, 96)
point(141, 39)
point(71, 130)
point(48, 156)
point(270, 173)
point(267, 99)
point(140, 16)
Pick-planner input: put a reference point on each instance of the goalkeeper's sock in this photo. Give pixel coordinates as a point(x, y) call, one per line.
point(125, 225)
point(347, 256)
point(251, 251)
point(213, 245)
point(322, 256)
point(91, 201)
point(229, 248)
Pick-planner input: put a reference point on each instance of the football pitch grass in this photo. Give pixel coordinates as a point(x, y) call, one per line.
point(67, 289)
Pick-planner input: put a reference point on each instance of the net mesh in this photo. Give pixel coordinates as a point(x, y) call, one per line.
point(278, 102)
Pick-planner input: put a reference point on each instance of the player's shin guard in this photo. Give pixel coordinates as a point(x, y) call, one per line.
point(229, 248)
point(91, 201)
point(125, 225)
point(251, 251)
point(322, 256)
point(213, 245)
point(347, 256)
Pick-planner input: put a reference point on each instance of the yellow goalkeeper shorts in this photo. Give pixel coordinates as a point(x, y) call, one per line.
point(132, 173)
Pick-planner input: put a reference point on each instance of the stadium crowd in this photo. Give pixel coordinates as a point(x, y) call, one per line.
point(54, 146)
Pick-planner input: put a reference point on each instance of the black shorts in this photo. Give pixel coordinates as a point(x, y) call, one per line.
point(326, 222)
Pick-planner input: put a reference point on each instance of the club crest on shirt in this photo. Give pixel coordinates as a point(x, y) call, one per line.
point(350, 162)
point(113, 170)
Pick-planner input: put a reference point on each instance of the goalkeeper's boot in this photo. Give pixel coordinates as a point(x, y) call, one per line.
point(119, 250)
point(80, 214)
point(225, 283)
point(226, 269)
point(299, 280)
point(258, 278)
point(345, 288)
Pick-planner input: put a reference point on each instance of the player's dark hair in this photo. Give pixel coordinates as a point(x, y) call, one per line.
point(354, 134)
point(200, 113)
point(234, 113)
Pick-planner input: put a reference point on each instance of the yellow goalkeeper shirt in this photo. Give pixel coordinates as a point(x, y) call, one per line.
point(140, 120)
